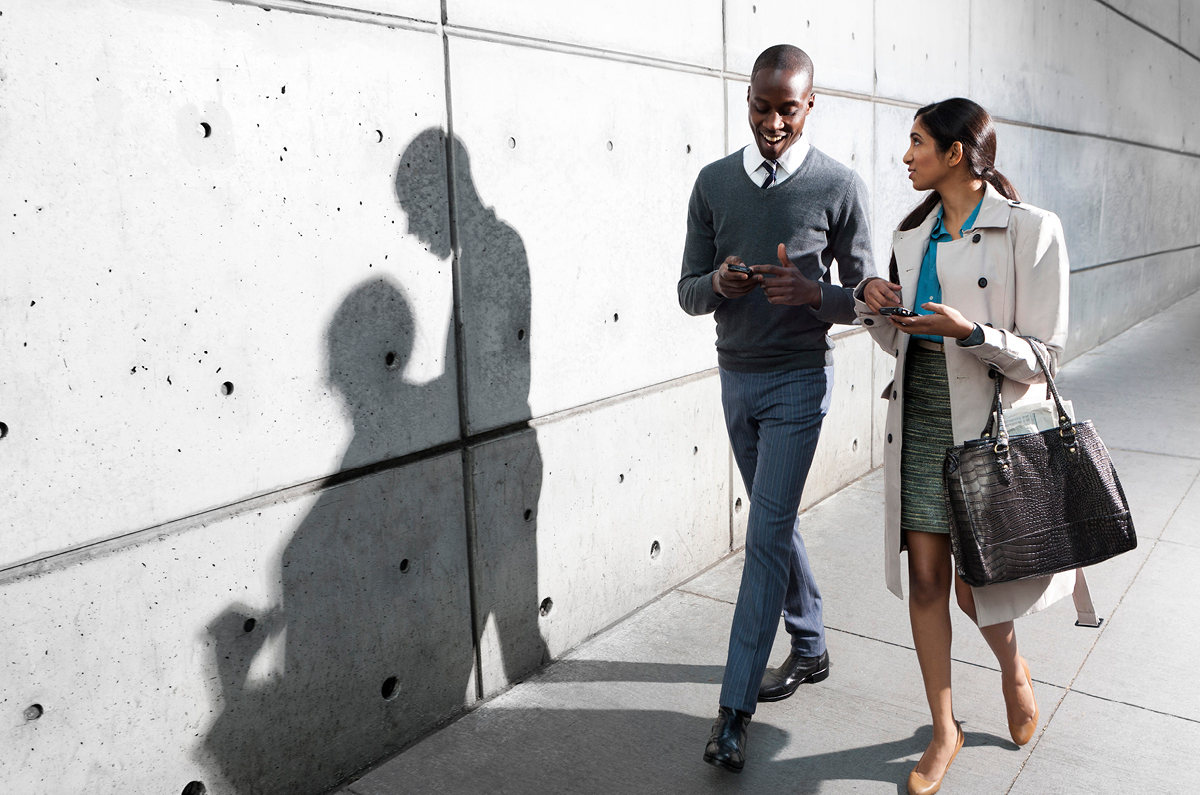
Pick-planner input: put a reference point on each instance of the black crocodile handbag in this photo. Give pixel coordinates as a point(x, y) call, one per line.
point(1036, 504)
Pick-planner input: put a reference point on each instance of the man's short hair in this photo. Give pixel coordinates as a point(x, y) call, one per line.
point(784, 57)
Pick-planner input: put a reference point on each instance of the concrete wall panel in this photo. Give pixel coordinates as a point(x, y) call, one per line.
point(912, 65)
point(597, 513)
point(893, 195)
point(1106, 301)
point(680, 31)
point(1042, 63)
point(148, 265)
point(251, 654)
point(1189, 25)
point(1144, 77)
point(1161, 16)
point(569, 272)
point(1070, 180)
point(839, 39)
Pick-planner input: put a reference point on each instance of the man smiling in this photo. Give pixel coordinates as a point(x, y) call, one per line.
point(777, 199)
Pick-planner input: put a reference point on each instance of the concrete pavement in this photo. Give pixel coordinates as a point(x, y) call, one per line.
point(629, 710)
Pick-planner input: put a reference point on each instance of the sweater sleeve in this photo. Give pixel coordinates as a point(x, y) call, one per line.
point(695, 289)
point(851, 247)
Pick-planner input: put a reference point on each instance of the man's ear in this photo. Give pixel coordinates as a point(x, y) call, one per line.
point(747, 95)
point(812, 97)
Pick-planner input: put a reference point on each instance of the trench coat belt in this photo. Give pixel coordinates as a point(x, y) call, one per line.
point(929, 345)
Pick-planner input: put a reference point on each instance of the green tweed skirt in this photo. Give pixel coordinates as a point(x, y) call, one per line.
point(927, 434)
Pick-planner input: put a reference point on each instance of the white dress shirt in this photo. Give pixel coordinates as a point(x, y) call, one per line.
point(793, 158)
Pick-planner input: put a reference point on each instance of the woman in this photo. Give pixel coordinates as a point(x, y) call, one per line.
point(980, 269)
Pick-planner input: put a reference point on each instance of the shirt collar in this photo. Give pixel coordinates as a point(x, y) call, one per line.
point(790, 162)
point(939, 228)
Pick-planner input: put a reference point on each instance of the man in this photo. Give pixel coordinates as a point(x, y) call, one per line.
point(776, 199)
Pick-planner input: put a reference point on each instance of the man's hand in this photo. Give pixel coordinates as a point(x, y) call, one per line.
point(880, 292)
point(731, 284)
point(945, 322)
point(787, 285)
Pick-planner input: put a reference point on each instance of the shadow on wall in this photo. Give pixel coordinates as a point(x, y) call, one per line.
point(374, 619)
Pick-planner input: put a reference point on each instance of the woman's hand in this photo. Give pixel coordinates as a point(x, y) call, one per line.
point(880, 292)
point(945, 322)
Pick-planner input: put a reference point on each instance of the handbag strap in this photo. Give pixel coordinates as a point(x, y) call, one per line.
point(996, 418)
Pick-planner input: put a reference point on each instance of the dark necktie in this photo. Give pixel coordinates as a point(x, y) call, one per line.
point(770, 166)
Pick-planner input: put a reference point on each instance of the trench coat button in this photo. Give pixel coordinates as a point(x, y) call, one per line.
point(868, 321)
point(975, 238)
point(989, 325)
point(992, 374)
point(889, 438)
point(893, 394)
point(982, 282)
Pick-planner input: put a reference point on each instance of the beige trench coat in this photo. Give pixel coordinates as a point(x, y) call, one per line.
point(1009, 274)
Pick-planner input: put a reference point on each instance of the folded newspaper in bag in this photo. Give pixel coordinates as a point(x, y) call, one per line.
point(1033, 415)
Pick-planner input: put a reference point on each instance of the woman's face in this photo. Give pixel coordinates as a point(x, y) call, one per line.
point(927, 167)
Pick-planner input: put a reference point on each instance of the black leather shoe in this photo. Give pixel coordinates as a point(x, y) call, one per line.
point(727, 746)
point(781, 682)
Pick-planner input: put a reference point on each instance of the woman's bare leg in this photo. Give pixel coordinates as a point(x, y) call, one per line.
point(930, 575)
point(1002, 638)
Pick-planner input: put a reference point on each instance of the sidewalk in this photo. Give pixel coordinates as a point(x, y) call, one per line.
point(629, 711)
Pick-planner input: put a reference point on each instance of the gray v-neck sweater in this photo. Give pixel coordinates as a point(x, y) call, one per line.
point(820, 214)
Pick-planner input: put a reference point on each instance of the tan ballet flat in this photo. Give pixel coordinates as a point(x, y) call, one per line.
point(1023, 734)
point(921, 786)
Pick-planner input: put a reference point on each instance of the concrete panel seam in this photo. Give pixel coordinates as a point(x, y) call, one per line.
point(65, 557)
point(346, 13)
point(1149, 30)
point(460, 358)
point(1135, 259)
point(395, 21)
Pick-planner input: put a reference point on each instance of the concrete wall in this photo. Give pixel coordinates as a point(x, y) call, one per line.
point(318, 428)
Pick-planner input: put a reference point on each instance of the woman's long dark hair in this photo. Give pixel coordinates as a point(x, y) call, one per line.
point(961, 120)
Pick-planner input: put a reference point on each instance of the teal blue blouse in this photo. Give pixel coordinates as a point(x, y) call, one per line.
point(929, 289)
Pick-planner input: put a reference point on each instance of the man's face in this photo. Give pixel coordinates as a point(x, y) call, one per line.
point(779, 103)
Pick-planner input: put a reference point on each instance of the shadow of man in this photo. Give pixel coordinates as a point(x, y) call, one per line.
point(374, 620)
point(494, 297)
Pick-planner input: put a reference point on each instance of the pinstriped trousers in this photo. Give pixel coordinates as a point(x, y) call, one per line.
point(774, 421)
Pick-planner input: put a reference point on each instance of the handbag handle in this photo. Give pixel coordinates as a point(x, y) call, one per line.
point(997, 416)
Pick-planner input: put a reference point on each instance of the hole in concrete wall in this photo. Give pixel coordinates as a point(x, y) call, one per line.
point(753, 9)
point(695, 450)
point(655, 549)
point(390, 689)
point(195, 788)
point(528, 514)
point(621, 478)
point(610, 146)
point(404, 566)
point(205, 131)
point(737, 504)
point(689, 148)
point(392, 361)
point(616, 317)
point(227, 388)
point(34, 711)
point(379, 135)
point(512, 143)
point(854, 447)
point(546, 607)
point(3, 430)
point(249, 625)
point(521, 334)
